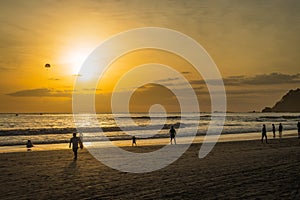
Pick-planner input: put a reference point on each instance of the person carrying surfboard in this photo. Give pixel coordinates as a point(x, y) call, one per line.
point(75, 141)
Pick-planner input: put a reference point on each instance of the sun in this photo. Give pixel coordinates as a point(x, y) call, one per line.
point(74, 57)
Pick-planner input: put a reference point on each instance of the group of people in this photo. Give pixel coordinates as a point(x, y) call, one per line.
point(76, 142)
point(280, 129)
point(172, 133)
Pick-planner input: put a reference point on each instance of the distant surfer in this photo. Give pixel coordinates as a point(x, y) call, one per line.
point(75, 141)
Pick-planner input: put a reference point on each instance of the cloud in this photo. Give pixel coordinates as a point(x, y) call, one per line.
point(5, 68)
point(264, 79)
point(54, 79)
point(211, 82)
point(260, 79)
point(252, 92)
point(168, 79)
point(162, 88)
point(91, 89)
point(185, 72)
point(40, 92)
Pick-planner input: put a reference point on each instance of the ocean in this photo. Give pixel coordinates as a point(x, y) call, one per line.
point(58, 128)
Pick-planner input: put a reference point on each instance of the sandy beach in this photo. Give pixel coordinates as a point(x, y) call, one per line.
point(214, 75)
point(233, 170)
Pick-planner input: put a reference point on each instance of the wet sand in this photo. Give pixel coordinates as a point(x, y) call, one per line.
point(146, 142)
point(233, 170)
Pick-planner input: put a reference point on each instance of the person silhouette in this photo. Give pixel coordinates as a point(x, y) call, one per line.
point(298, 126)
point(264, 134)
point(134, 140)
point(280, 130)
point(29, 145)
point(75, 141)
point(273, 130)
point(172, 134)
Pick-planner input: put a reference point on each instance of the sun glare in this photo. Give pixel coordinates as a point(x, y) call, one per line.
point(74, 58)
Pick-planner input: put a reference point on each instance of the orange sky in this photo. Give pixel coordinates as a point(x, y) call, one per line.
point(255, 45)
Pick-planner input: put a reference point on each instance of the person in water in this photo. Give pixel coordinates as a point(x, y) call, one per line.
point(75, 141)
point(264, 134)
point(172, 135)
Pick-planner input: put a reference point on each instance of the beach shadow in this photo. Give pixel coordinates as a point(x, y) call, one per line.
point(70, 169)
point(72, 166)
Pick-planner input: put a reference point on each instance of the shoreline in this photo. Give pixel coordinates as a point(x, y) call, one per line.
point(149, 142)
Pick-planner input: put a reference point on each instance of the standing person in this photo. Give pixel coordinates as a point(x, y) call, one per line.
point(280, 130)
point(134, 140)
point(75, 141)
point(273, 130)
point(172, 134)
point(298, 125)
point(264, 134)
point(29, 145)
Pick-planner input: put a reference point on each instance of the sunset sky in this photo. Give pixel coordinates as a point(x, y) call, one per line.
point(254, 43)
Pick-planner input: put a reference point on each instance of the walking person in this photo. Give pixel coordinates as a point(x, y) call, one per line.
point(280, 130)
point(133, 141)
point(75, 141)
point(172, 134)
point(273, 130)
point(264, 134)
